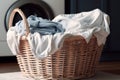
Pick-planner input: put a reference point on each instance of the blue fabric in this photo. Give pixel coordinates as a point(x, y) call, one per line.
point(44, 26)
point(40, 25)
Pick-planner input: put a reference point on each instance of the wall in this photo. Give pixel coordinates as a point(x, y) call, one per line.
point(111, 7)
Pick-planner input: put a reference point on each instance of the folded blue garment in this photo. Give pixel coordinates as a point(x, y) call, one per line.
point(40, 25)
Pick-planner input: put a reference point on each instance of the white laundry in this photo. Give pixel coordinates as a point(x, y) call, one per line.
point(85, 24)
point(13, 40)
point(41, 46)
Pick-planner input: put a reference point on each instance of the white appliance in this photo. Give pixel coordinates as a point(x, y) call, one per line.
point(56, 5)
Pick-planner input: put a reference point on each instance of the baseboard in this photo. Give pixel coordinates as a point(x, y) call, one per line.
point(110, 56)
point(8, 59)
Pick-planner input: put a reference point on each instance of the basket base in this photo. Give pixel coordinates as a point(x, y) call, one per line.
point(60, 78)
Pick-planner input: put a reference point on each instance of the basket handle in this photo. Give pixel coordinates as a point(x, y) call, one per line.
point(17, 10)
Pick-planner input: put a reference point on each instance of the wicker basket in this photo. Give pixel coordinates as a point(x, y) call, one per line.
point(75, 60)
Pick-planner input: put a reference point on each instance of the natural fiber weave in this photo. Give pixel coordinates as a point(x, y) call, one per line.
point(75, 60)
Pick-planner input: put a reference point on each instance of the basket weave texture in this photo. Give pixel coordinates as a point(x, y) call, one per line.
point(75, 60)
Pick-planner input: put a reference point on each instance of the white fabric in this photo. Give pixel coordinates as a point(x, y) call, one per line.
point(13, 40)
point(85, 24)
point(42, 46)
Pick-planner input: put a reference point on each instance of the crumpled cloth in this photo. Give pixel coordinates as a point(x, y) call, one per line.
point(86, 24)
point(40, 25)
point(41, 46)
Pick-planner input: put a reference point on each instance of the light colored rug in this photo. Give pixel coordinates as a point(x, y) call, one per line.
point(104, 76)
point(18, 76)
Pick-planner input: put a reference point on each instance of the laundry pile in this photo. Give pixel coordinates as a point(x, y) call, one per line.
point(46, 36)
point(37, 24)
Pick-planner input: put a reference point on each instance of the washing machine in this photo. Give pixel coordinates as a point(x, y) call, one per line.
point(42, 8)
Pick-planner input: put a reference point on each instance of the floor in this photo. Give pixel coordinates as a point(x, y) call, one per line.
point(110, 67)
point(106, 71)
point(9, 67)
